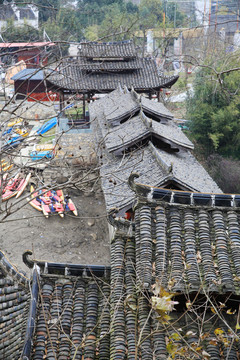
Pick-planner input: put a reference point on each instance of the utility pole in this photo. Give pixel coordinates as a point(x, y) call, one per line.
point(175, 10)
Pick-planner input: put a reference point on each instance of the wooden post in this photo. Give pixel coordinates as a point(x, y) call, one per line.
point(158, 96)
point(84, 113)
point(61, 100)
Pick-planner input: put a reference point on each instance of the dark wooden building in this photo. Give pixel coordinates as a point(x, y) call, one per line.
point(31, 83)
point(33, 54)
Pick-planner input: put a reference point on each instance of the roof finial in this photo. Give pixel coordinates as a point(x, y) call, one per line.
point(26, 260)
point(131, 178)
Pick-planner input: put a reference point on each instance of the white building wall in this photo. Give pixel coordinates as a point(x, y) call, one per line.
point(20, 22)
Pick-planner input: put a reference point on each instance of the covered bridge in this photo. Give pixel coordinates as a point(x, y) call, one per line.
point(101, 67)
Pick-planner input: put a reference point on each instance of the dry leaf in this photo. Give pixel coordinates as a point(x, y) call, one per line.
point(218, 331)
point(213, 342)
point(237, 326)
point(230, 312)
point(190, 333)
point(204, 353)
point(221, 305)
point(175, 336)
point(188, 304)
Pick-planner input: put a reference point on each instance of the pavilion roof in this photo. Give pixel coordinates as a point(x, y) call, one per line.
point(101, 67)
point(72, 76)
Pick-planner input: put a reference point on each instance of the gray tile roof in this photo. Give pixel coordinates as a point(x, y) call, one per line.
point(199, 238)
point(101, 65)
point(139, 128)
point(116, 170)
point(117, 105)
point(127, 147)
point(155, 108)
point(188, 231)
point(71, 77)
point(186, 169)
point(68, 316)
point(120, 49)
point(14, 306)
point(165, 248)
point(73, 319)
point(101, 74)
point(122, 136)
point(171, 132)
point(155, 167)
point(121, 104)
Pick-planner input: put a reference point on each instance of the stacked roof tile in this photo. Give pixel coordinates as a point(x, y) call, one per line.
point(118, 49)
point(180, 243)
point(196, 247)
point(136, 329)
point(183, 248)
point(101, 67)
point(127, 140)
point(14, 306)
point(73, 319)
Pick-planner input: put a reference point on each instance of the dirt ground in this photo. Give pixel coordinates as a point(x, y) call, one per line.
point(77, 240)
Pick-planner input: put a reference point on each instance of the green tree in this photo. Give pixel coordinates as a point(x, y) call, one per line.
point(93, 12)
point(214, 109)
point(151, 15)
point(25, 32)
point(64, 29)
point(117, 25)
point(47, 9)
point(175, 17)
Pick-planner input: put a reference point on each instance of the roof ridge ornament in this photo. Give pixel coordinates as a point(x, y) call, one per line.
point(147, 121)
point(166, 166)
point(131, 183)
point(119, 88)
point(10, 270)
point(29, 262)
point(135, 94)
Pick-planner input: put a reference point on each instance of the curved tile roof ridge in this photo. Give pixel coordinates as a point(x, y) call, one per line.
point(10, 270)
point(65, 268)
point(152, 194)
point(155, 107)
point(166, 166)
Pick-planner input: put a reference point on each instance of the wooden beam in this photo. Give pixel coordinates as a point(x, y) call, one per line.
point(61, 100)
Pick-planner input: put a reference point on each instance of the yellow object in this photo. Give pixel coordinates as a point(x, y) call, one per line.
point(44, 147)
point(5, 165)
point(21, 132)
point(14, 122)
point(5, 168)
